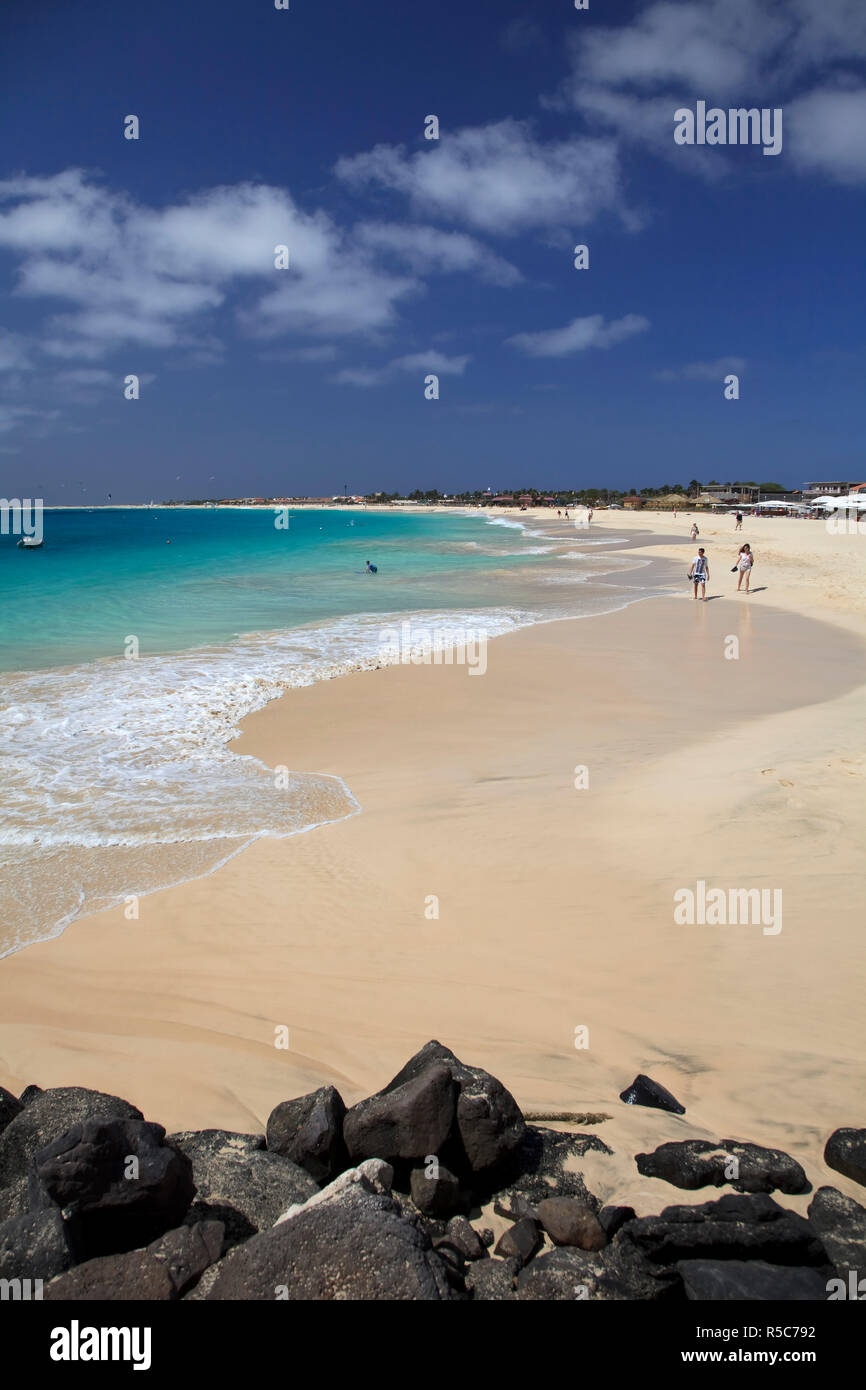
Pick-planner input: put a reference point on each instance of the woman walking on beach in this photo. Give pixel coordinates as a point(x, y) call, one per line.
point(694, 533)
point(745, 560)
point(700, 573)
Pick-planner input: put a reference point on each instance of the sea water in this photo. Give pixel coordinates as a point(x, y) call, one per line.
point(134, 642)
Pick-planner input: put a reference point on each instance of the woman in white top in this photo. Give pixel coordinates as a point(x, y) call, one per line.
point(745, 560)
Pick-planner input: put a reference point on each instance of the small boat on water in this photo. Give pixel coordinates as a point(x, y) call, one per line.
point(29, 543)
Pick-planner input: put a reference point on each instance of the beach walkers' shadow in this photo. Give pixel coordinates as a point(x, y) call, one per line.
point(759, 589)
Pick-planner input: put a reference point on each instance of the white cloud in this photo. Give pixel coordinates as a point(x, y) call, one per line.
point(12, 415)
point(14, 353)
point(498, 178)
point(580, 334)
point(714, 46)
point(154, 277)
point(828, 130)
point(630, 79)
point(432, 361)
point(87, 377)
point(430, 248)
point(702, 371)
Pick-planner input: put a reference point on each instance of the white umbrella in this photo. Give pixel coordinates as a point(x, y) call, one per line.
point(855, 502)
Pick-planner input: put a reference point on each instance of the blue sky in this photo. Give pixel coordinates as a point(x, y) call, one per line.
point(409, 256)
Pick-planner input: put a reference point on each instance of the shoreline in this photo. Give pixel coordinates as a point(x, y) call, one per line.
point(310, 672)
point(278, 922)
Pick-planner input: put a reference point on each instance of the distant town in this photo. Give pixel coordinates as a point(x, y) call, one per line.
point(670, 496)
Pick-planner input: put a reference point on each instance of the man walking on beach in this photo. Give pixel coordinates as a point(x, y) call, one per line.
point(739, 525)
point(700, 573)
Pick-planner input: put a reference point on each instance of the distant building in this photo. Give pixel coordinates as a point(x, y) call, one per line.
point(729, 493)
point(834, 489)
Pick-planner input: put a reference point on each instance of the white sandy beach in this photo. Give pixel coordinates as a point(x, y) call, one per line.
point(555, 904)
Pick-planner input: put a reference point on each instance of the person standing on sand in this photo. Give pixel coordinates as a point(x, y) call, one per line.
point(745, 560)
point(700, 573)
point(694, 531)
point(739, 525)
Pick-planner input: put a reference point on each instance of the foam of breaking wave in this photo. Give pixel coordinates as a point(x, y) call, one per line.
point(118, 777)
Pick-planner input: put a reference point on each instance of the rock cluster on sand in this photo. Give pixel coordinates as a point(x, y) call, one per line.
point(383, 1201)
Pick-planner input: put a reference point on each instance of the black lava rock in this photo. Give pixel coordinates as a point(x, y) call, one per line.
point(353, 1245)
point(615, 1274)
point(546, 1165)
point(644, 1091)
point(732, 1228)
point(123, 1184)
point(10, 1106)
point(845, 1151)
point(466, 1239)
point(520, 1242)
point(613, 1219)
point(840, 1222)
point(404, 1123)
point(165, 1270)
point(733, 1280)
point(47, 1115)
point(309, 1131)
point(492, 1281)
point(697, 1163)
point(39, 1245)
point(435, 1196)
point(240, 1183)
point(489, 1126)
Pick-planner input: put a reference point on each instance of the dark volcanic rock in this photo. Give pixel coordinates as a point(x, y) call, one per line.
point(122, 1182)
point(187, 1252)
point(489, 1127)
point(466, 1239)
point(615, 1274)
point(435, 1196)
point(39, 1245)
point(697, 1163)
point(492, 1281)
point(514, 1206)
point(239, 1182)
point(612, 1219)
point(845, 1151)
point(569, 1222)
point(166, 1269)
point(14, 1200)
point(347, 1244)
point(31, 1092)
point(520, 1242)
point(841, 1224)
point(406, 1123)
point(119, 1278)
point(45, 1117)
point(644, 1091)
point(309, 1131)
point(732, 1228)
point(10, 1106)
point(548, 1165)
point(730, 1280)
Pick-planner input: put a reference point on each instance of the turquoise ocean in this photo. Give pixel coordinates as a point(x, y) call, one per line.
point(135, 640)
